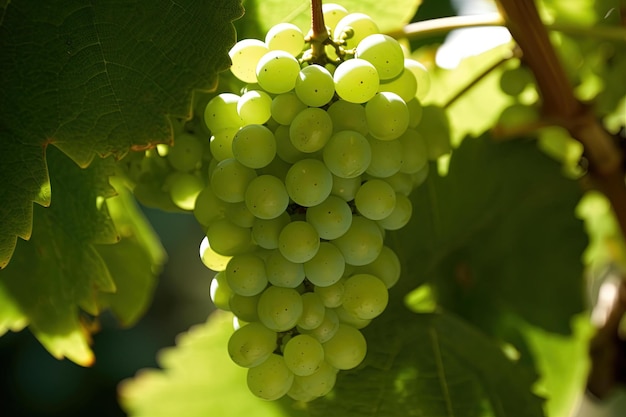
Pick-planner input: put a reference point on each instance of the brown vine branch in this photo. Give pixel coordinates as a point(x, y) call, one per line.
point(561, 107)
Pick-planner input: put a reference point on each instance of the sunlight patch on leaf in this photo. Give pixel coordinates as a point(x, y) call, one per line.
point(198, 379)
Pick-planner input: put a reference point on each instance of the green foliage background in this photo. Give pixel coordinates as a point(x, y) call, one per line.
point(492, 259)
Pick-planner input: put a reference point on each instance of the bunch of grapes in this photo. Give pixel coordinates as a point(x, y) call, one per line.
point(313, 161)
point(171, 177)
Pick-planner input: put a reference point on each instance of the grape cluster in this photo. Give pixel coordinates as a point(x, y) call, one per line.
point(171, 177)
point(311, 165)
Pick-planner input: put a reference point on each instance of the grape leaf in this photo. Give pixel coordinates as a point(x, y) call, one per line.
point(96, 79)
point(262, 15)
point(430, 365)
point(134, 262)
point(416, 365)
point(198, 379)
point(498, 235)
point(74, 262)
point(59, 270)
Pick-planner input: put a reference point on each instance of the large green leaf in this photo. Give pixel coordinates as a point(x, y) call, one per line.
point(134, 262)
point(417, 365)
point(96, 79)
point(498, 235)
point(198, 379)
point(59, 269)
point(430, 365)
point(74, 257)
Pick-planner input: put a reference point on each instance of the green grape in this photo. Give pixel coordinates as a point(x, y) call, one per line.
point(333, 13)
point(303, 354)
point(400, 216)
point(244, 307)
point(345, 188)
point(297, 393)
point(271, 379)
point(348, 116)
point(415, 151)
point(331, 218)
point(285, 149)
point(246, 274)
point(220, 291)
point(401, 183)
point(359, 26)
point(285, 37)
point(365, 296)
point(347, 154)
point(184, 189)
point(404, 85)
point(280, 308)
point(254, 146)
point(356, 80)
point(277, 72)
point(326, 267)
point(384, 52)
point(266, 231)
point(313, 311)
point(186, 154)
point(298, 241)
point(221, 143)
point(315, 86)
point(266, 197)
point(387, 116)
point(326, 329)
point(421, 76)
point(387, 157)
point(346, 349)
point(210, 258)
point(436, 131)
point(420, 176)
point(285, 107)
point(514, 81)
point(226, 238)
point(254, 107)
point(348, 318)
point(317, 384)
point(362, 243)
point(230, 180)
point(331, 295)
point(281, 272)
point(415, 112)
point(245, 56)
point(239, 214)
point(308, 182)
point(386, 267)
point(251, 345)
point(221, 112)
point(310, 130)
point(375, 199)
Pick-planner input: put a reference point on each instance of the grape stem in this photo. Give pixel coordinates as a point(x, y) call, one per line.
point(318, 35)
